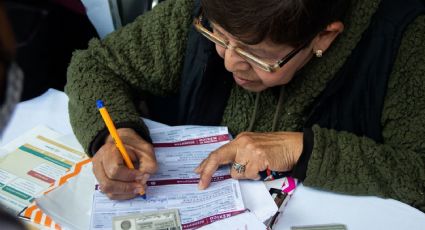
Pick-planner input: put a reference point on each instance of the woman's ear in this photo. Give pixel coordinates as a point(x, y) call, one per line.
point(324, 39)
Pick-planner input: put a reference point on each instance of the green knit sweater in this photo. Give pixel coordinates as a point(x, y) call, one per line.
point(147, 56)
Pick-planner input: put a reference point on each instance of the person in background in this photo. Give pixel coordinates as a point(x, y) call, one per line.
point(329, 91)
point(11, 76)
point(46, 33)
point(10, 88)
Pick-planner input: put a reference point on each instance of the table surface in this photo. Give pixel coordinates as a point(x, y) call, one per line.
point(307, 206)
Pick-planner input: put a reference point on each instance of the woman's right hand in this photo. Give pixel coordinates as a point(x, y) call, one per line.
point(115, 179)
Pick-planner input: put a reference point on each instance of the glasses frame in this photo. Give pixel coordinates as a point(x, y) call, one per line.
point(197, 23)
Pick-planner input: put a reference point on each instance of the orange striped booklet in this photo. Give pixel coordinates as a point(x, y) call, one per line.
point(34, 168)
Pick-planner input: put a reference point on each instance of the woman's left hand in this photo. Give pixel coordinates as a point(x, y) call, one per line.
point(278, 151)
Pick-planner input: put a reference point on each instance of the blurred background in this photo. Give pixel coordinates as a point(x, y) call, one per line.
point(46, 33)
point(37, 39)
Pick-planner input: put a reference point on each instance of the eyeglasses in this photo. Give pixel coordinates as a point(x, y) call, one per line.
point(264, 65)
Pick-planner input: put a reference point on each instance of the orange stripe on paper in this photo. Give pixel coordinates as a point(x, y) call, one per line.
point(37, 218)
point(48, 221)
point(29, 211)
point(77, 170)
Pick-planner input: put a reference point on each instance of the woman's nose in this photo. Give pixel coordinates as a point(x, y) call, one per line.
point(233, 62)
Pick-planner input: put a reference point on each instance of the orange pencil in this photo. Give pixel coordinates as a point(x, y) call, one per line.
point(113, 131)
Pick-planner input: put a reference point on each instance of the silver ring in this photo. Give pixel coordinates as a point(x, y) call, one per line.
point(240, 168)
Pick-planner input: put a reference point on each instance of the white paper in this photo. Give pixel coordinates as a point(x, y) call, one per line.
point(24, 138)
point(257, 199)
point(309, 206)
point(152, 125)
point(49, 109)
point(41, 160)
point(196, 207)
point(73, 200)
point(244, 221)
point(179, 150)
point(70, 204)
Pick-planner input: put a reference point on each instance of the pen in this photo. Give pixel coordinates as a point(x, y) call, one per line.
point(113, 131)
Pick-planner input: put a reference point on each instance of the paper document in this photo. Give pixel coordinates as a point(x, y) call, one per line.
point(178, 151)
point(73, 200)
point(244, 221)
point(42, 161)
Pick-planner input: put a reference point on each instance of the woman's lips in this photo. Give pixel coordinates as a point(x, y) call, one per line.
point(241, 81)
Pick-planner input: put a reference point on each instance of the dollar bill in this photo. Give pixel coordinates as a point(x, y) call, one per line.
point(158, 220)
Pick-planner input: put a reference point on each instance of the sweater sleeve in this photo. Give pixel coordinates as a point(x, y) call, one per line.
point(346, 163)
point(144, 56)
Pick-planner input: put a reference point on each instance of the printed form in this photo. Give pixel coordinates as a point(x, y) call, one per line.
point(179, 150)
point(32, 168)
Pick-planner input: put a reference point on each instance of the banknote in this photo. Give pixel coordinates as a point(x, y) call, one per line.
point(158, 220)
point(321, 227)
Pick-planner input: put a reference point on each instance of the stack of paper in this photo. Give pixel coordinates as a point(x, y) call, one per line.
point(32, 168)
point(76, 204)
point(34, 164)
point(179, 150)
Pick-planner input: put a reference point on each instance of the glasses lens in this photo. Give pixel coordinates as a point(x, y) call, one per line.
point(254, 60)
point(224, 43)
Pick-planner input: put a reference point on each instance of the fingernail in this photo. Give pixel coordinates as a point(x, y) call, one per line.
point(201, 185)
point(138, 190)
point(139, 177)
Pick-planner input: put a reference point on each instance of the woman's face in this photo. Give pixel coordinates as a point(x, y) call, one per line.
point(251, 77)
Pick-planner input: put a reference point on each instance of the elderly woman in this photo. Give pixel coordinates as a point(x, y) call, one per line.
point(331, 91)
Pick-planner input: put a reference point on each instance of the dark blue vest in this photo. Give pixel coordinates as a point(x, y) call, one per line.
point(353, 100)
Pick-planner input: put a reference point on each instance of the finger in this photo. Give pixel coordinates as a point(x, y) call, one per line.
point(143, 179)
point(97, 168)
point(121, 188)
point(236, 175)
point(115, 168)
point(251, 163)
point(208, 169)
point(199, 169)
point(224, 155)
point(252, 171)
point(120, 196)
point(146, 155)
point(109, 186)
point(221, 156)
point(115, 196)
point(240, 158)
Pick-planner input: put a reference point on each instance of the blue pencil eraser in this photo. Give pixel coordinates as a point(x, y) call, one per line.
point(99, 104)
point(143, 196)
